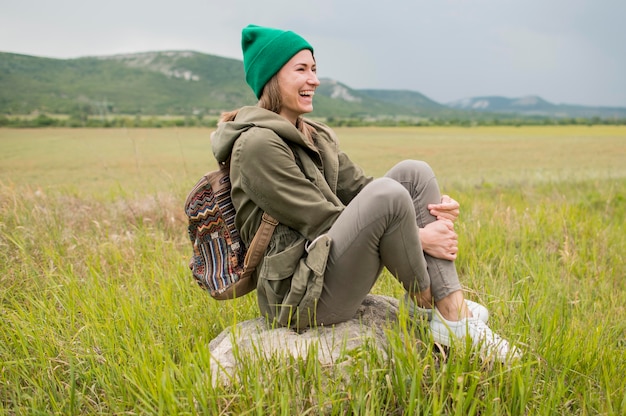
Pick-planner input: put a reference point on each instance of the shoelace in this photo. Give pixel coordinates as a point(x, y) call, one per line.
point(492, 343)
point(487, 337)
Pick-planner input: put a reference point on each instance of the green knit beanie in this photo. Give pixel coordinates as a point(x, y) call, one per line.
point(265, 51)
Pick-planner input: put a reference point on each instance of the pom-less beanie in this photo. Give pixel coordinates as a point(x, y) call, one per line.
point(265, 51)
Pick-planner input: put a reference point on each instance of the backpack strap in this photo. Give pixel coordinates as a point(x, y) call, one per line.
point(259, 244)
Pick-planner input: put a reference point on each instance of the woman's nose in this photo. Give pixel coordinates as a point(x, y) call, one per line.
point(313, 79)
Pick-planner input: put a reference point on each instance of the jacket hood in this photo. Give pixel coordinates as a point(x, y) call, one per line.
point(227, 133)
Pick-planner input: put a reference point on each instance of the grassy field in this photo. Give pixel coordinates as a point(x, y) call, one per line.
point(99, 314)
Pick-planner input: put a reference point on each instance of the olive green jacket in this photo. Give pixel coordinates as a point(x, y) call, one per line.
point(305, 187)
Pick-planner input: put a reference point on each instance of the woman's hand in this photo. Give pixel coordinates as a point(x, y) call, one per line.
point(439, 240)
point(448, 209)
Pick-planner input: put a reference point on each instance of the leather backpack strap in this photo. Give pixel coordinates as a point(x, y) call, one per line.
point(259, 244)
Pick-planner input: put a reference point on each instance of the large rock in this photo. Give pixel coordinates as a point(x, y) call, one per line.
point(248, 338)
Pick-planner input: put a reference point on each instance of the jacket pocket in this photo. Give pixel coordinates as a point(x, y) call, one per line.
point(306, 286)
point(276, 272)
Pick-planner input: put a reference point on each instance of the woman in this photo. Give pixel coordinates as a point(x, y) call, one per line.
point(338, 227)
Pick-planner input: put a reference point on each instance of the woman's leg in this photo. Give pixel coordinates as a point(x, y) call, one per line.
point(376, 229)
point(419, 180)
point(452, 319)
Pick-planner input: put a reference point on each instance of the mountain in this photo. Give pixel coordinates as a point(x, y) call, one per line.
point(191, 83)
point(167, 82)
point(174, 82)
point(338, 100)
point(534, 106)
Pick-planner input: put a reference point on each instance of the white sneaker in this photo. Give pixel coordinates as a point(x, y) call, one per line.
point(490, 344)
point(478, 310)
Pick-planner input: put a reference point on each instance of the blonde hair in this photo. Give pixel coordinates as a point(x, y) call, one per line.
point(272, 100)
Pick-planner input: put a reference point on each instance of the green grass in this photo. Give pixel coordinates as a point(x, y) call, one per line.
point(99, 313)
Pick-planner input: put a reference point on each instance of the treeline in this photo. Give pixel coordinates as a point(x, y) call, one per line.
point(471, 122)
point(43, 120)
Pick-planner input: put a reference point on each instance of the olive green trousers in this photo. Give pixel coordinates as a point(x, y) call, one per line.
point(379, 229)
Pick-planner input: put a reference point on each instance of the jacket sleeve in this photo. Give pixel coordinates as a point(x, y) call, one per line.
point(271, 179)
point(351, 179)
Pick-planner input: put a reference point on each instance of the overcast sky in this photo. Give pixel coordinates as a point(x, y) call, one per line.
point(566, 51)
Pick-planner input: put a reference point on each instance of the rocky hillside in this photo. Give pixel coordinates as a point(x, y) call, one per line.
point(534, 106)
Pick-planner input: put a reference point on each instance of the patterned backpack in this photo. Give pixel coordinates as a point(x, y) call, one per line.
point(221, 264)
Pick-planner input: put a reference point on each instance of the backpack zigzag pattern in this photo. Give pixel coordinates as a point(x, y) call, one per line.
point(218, 253)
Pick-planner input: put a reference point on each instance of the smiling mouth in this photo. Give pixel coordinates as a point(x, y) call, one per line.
point(308, 93)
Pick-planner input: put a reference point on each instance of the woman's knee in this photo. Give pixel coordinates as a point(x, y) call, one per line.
point(389, 194)
point(387, 189)
point(411, 171)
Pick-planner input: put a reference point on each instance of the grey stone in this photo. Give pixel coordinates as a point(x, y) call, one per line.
point(254, 339)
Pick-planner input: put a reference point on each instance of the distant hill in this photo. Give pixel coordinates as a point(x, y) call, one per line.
point(191, 83)
point(534, 106)
point(176, 82)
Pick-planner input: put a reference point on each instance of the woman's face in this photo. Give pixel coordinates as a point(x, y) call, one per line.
point(297, 81)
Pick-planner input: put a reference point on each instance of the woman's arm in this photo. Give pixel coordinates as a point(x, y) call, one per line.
point(270, 178)
point(351, 178)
